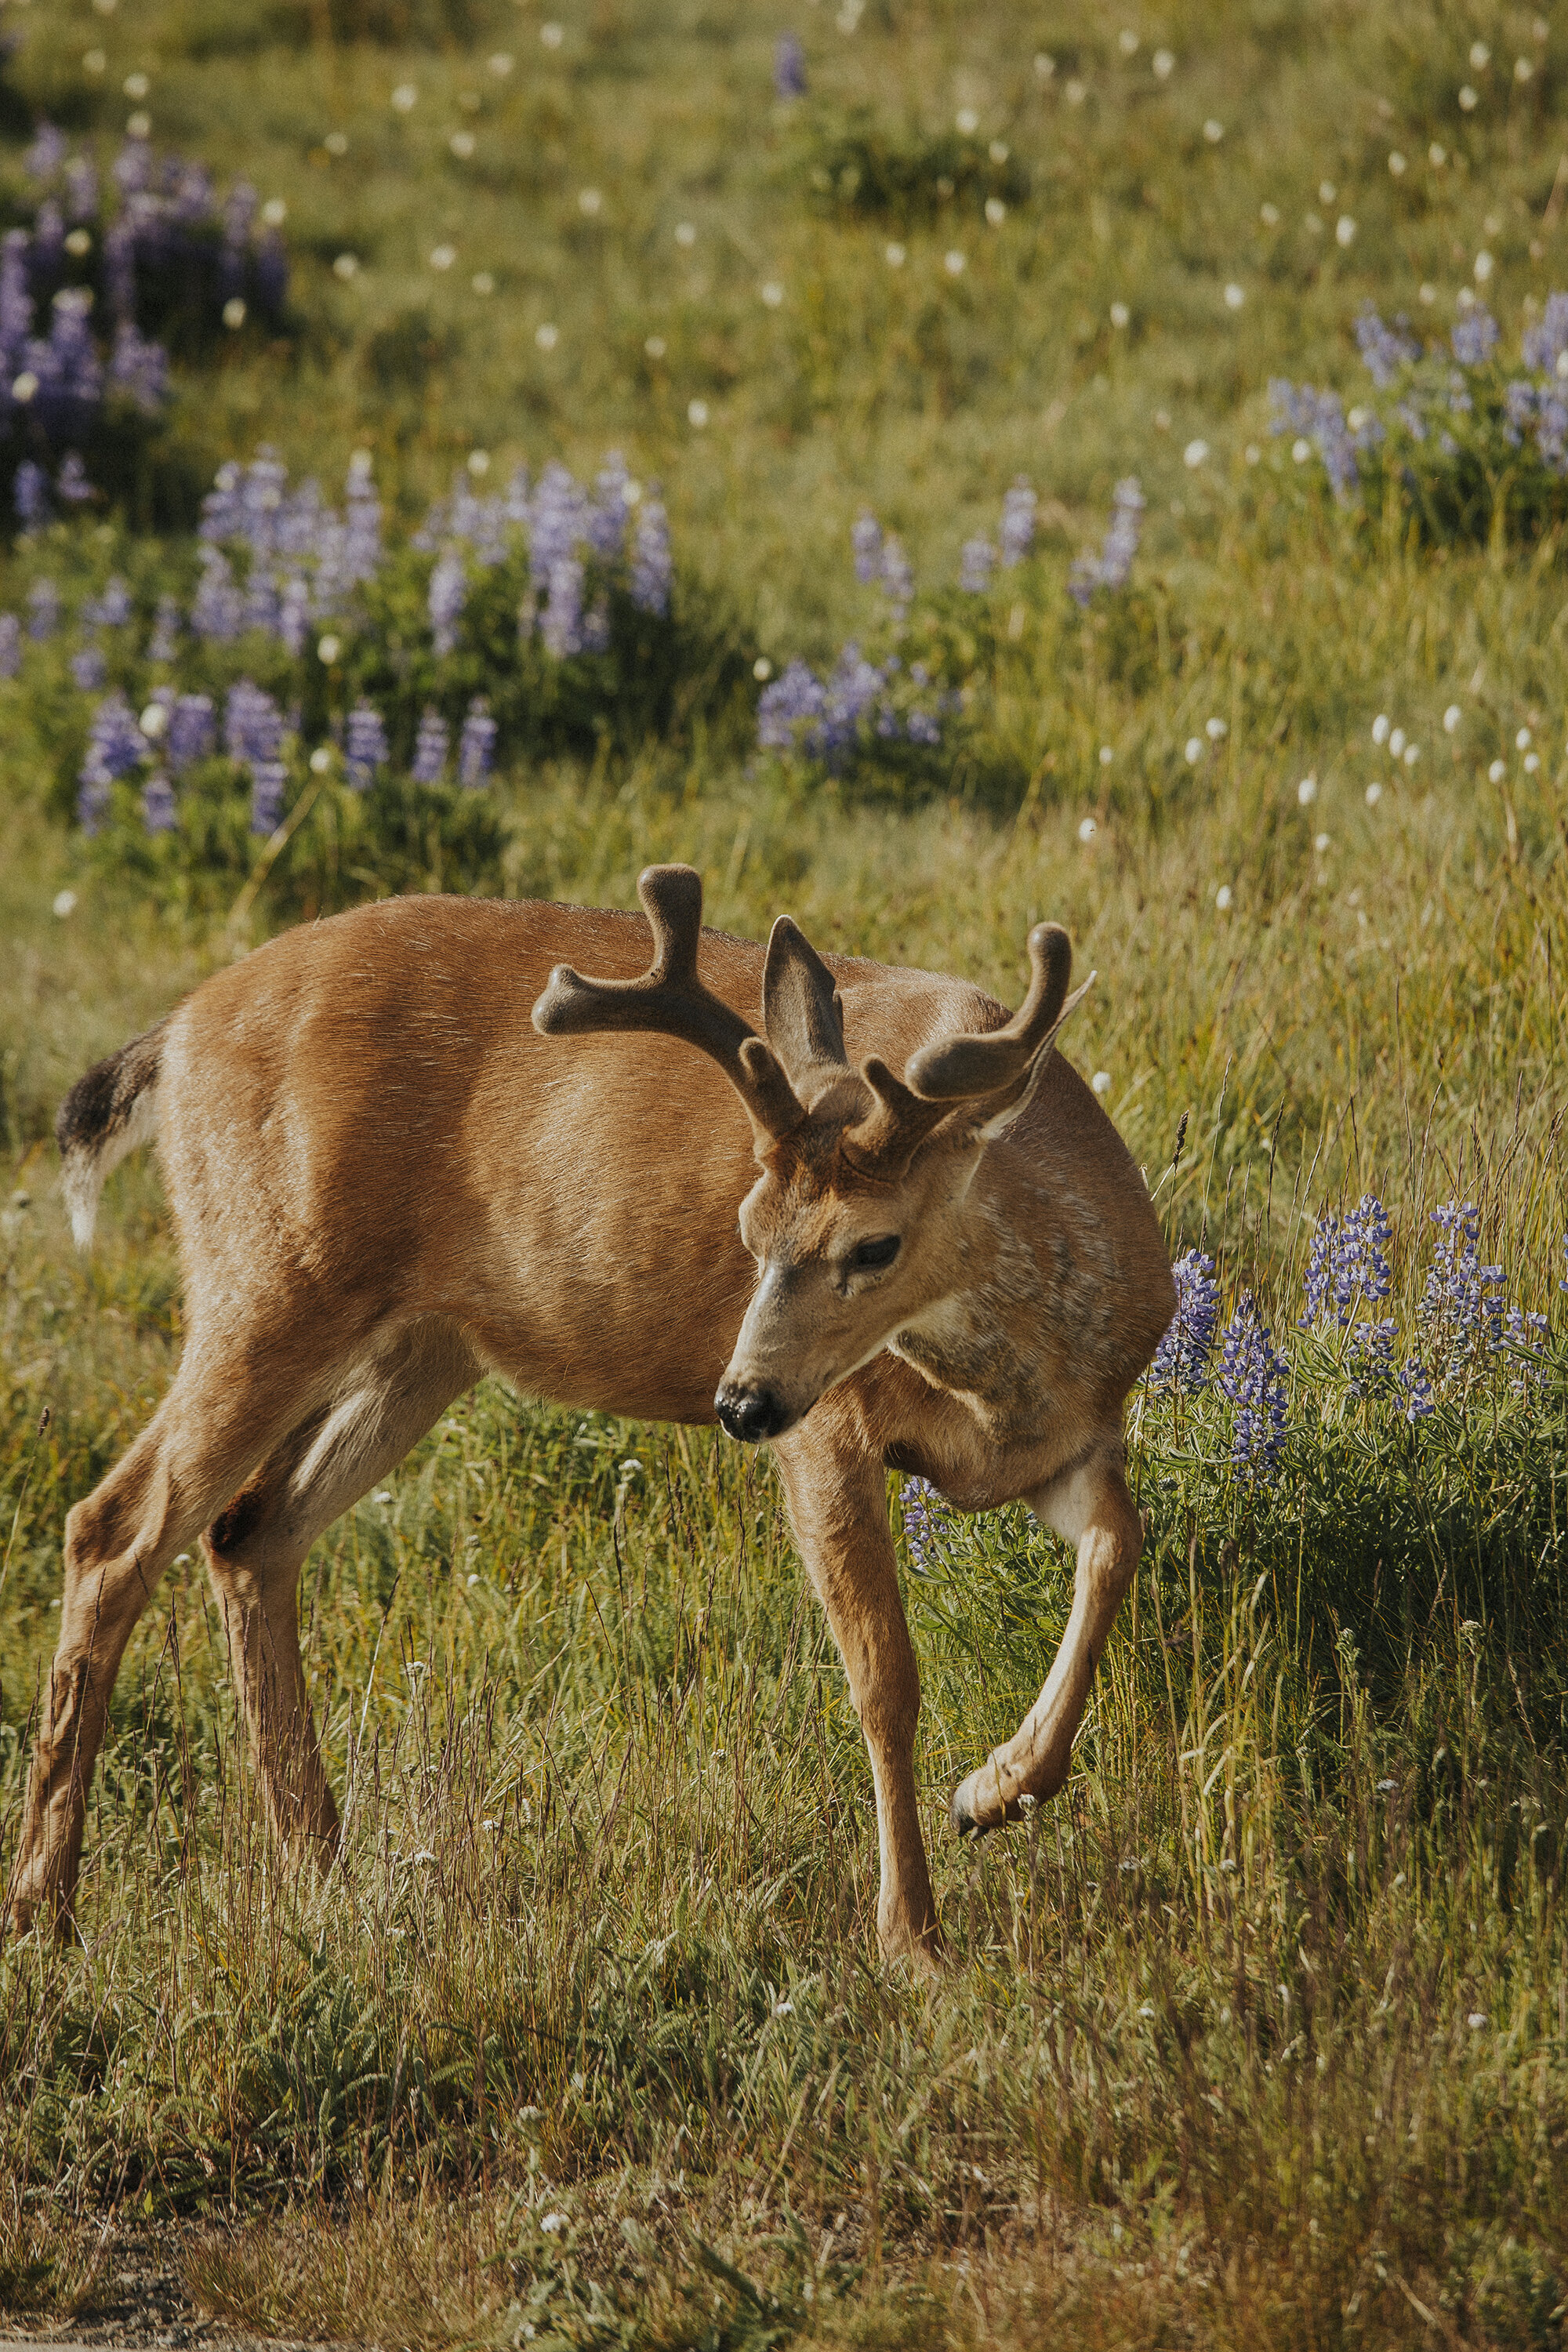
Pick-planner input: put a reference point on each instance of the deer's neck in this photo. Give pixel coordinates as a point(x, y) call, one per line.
point(996, 1340)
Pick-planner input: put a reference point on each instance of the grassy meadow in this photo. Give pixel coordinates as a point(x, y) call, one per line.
point(1259, 2035)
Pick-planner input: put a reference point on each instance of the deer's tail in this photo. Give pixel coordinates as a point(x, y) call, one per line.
point(109, 1112)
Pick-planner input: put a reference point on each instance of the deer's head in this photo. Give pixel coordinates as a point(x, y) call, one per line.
point(856, 1220)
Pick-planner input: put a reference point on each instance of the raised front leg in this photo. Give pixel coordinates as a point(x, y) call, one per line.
point(1091, 1506)
point(838, 1509)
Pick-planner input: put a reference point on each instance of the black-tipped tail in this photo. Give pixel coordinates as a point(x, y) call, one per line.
point(107, 1114)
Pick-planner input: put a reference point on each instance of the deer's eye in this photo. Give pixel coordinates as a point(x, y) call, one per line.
point(870, 1257)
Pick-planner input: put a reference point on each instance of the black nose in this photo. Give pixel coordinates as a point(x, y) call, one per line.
point(751, 1414)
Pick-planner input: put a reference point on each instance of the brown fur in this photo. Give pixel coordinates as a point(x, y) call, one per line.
point(387, 1183)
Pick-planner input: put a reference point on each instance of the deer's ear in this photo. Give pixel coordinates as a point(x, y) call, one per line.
point(803, 1014)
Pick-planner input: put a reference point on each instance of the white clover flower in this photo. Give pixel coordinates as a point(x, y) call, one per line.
point(998, 151)
point(1127, 41)
point(551, 36)
point(23, 386)
point(1396, 741)
point(1105, 755)
point(62, 904)
point(136, 85)
point(234, 312)
point(1522, 68)
point(1468, 99)
point(1380, 727)
point(773, 294)
point(443, 256)
point(1396, 164)
point(1327, 192)
point(275, 212)
point(78, 242)
point(761, 669)
point(346, 265)
point(1307, 791)
point(336, 142)
point(502, 64)
point(1320, 841)
point(590, 202)
point(1523, 740)
point(967, 120)
point(321, 759)
point(1222, 898)
point(1268, 214)
point(1475, 2020)
point(1424, 293)
point(1075, 91)
point(138, 126)
point(655, 347)
point(328, 650)
point(685, 234)
point(1216, 730)
point(552, 2224)
point(94, 62)
point(1436, 155)
point(1101, 1082)
point(1451, 717)
point(1480, 56)
point(478, 463)
point(1412, 753)
point(1045, 67)
point(482, 282)
point(462, 144)
point(1532, 762)
point(1193, 454)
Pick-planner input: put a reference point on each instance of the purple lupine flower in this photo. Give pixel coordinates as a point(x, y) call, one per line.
point(924, 1511)
point(140, 367)
point(262, 599)
point(132, 166)
point(1385, 350)
point(794, 703)
point(43, 158)
point(924, 727)
point(449, 594)
point(81, 189)
point(853, 690)
point(652, 569)
point(361, 528)
point(30, 495)
point(217, 609)
point(1419, 1398)
point(48, 241)
point(71, 481)
point(555, 523)
point(477, 744)
point(112, 609)
point(1318, 417)
point(267, 780)
point(1543, 344)
point(364, 746)
point(1524, 1334)
point(561, 626)
point(1182, 1358)
point(158, 803)
point(898, 577)
point(11, 655)
point(789, 66)
point(294, 616)
point(1349, 1261)
point(610, 512)
point(115, 744)
point(43, 610)
point(1112, 567)
point(163, 644)
point(975, 560)
point(252, 723)
point(866, 540)
point(1462, 1304)
point(1252, 1376)
point(16, 299)
point(1544, 409)
point(430, 746)
point(1475, 337)
point(192, 733)
point(1017, 534)
point(88, 669)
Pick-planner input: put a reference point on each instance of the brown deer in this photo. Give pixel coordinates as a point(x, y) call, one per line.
point(388, 1181)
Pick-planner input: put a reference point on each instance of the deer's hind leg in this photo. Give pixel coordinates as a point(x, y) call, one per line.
point(1090, 1506)
point(257, 1545)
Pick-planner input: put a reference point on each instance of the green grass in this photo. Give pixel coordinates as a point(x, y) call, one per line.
point(1205, 2069)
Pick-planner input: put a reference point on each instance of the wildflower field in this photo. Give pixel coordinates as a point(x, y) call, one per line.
point(933, 467)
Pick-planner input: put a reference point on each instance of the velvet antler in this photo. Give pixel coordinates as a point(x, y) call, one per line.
point(672, 999)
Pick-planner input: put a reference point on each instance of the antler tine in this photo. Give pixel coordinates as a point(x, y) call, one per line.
point(671, 1001)
point(956, 1067)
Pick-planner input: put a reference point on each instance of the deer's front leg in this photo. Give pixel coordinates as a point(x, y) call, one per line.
point(1091, 1506)
point(838, 1509)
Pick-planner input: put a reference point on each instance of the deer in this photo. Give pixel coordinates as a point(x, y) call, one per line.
point(858, 1212)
